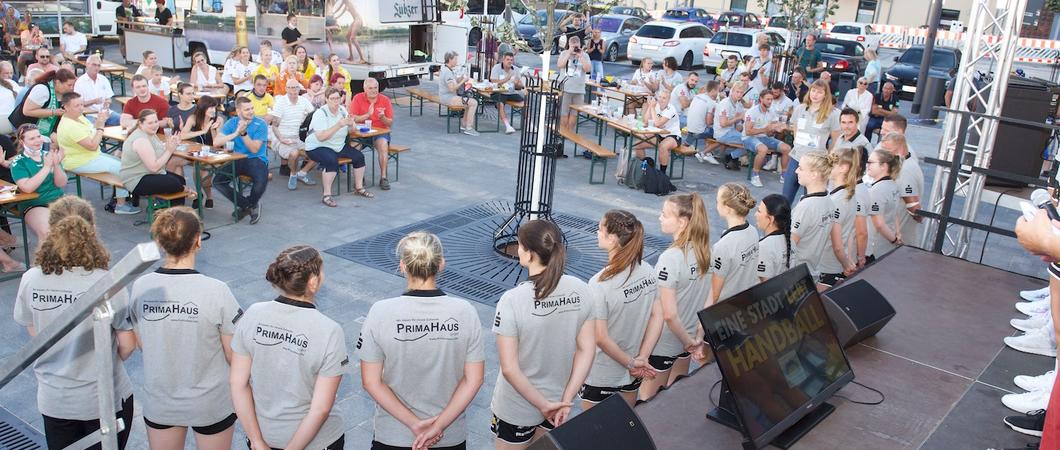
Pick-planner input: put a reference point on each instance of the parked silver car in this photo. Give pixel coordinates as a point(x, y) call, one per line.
point(616, 30)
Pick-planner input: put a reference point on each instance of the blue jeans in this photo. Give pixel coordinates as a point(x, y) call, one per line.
point(598, 70)
point(752, 143)
point(112, 121)
point(694, 138)
point(791, 181)
point(103, 163)
point(258, 172)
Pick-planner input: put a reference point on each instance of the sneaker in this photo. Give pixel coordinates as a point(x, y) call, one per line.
point(1035, 383)
point(242, 213)
point(699, 157)
point(1031, 323)
point(508, 129)
point(770, 165)
point(307, 180)
point(1037, 342)
point(126, 209)
point(292, 183)
point(1033, 308)
point(209, 203)
point(1026, 402)
point(711, 159)
point(255, 215)
point(470, 132)
point(1029, 424)
point(384, 184)
point(756, 181)
point(1035, 295)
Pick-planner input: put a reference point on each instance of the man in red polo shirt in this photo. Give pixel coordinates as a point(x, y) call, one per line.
point(144, 99)
point(369, 105)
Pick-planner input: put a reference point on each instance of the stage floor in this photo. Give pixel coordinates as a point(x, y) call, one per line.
point(940, 362)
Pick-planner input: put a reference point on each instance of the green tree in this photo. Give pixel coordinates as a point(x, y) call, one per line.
point(802, 13)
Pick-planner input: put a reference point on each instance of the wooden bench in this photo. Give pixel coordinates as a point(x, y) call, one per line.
point(393, 153)
point(154, 202)
point(679, 154)
point(516, 106)
point(598, 154)
point(161, 201)
point(727, 147)
point(421, 94)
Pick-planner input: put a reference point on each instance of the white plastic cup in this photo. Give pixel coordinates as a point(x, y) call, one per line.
point(368, 124)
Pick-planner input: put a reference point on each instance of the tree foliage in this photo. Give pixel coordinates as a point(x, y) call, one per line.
point(803, 13)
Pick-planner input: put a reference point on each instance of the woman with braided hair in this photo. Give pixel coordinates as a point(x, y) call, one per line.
point(773, 217)
point(624, 291)
point(736, 251)
point(296, 356)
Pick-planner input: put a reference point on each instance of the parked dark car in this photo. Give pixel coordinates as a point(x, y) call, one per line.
point(528, 31)
point(841, 57)
point(691, 15)
point(906, 69)
point(739, 19)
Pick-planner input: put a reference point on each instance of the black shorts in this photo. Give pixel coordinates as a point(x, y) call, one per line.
point(676, 138)
point(664, 363)
point(206, 430)
point(595, 394)
point(497, 97)
point(515, 434)
point(831, 279)
point(381, 446)
point(339, 444)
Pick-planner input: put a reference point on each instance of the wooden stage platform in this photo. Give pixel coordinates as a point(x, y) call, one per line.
point(940, 362)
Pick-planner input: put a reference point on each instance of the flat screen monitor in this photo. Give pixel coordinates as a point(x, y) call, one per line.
point(777, 352)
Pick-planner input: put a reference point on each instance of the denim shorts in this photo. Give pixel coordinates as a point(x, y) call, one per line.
point(752, 142)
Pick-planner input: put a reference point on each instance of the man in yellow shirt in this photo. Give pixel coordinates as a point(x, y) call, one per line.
point(261, 98)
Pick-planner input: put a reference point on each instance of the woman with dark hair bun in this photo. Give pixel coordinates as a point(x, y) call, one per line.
point(623, 292)
point(296, 357)
point(544, 339)
point(184, 323)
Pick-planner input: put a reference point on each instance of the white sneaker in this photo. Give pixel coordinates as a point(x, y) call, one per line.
point(770, 165)
point(1034, 308)
point(1035, 383)
point(1027, 401)
point(1030, 323)
point(1037, 342)
point(469, 132)
point(508, 129)
point(1035, 295)
point(699, 157)
point(711, 159)
point(756, 181)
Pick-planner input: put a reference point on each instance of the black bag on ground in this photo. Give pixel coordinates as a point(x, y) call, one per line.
point(654, 181)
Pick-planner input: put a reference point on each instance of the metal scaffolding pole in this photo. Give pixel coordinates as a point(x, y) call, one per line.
point(991, 35)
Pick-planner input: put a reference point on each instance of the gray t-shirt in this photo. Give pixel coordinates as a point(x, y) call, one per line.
point(423, 339)
point(498, 73)
point(674, 79)
point(547, 331)
point(290, 344)
point(625, 302)
point(862, 201)
point(845, 208)
point(678, 269)
point(574, 74)
point(812, 221)
point(733, 110)
point(444, 77)
point(859, 140)
point(884, 201)
point(179, 317)
point(735, 256)
point(66, 373)
point(811, 135)
point(910, 184)
point(772, 250)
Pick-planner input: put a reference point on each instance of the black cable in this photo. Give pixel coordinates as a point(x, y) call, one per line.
point(882, 397)
point(982, 253)
point(710, 394)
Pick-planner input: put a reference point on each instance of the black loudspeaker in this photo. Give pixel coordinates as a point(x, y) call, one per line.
point(1018, 148)
point(857, 311)
point(611, 424)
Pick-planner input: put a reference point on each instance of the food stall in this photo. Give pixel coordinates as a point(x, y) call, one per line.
point(167, 41)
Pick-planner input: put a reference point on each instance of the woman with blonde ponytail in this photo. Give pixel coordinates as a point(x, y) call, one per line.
point(736, 252)
point(837, 264)
point(674, 332)
point(812, 217)
point(423, 336)
point(624, 292)
point(884, 167)
point(544, 340)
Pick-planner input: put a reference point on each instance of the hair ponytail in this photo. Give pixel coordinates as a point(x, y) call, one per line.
point(779, 209)
point(850, 157)
point(544, 240)
point(630, 251)
point(293, 268)
point(697, 232)
point(893, 162)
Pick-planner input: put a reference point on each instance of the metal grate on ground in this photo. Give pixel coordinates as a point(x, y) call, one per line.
point(472, 269)
point(17, 435)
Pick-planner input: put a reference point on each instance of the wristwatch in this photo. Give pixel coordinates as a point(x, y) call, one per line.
point(244, 133)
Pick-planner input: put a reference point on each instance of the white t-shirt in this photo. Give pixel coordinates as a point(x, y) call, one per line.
point(860, 103)
point(782, 106)
point(673, 120)
point(39, 95)
point(92, 89)
point(677, 93)
point(290, 114)
point(161, 89)
point(7, 99)
point(235, 69)
point(640, 77)
point(910, 184)
point(760, 119)
point(701, 107)
point(884, 199)
point(728, 107)
point(735, 257)
point(755, 91)
point(206, 78)
point(811, 220)
point(73, 42)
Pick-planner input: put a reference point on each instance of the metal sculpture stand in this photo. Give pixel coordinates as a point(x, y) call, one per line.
point(536, 174)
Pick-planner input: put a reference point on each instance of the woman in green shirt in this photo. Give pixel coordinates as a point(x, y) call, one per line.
point(37, 170)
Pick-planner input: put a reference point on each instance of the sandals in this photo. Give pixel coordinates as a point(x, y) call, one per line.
point(328, 201)
point(364, 193)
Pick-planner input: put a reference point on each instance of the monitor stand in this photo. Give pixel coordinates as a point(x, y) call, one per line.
point(725, 414)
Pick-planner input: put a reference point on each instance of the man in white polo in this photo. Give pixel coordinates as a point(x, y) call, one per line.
point(95, 90)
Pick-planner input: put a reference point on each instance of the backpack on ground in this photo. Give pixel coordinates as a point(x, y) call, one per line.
point(653, 180)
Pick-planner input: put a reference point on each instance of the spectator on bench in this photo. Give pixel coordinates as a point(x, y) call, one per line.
point(250, 136)
point(95, 90)
point(147, 164)
point(448, 83)
point(80, 138)
point(143, 100)
point(37, 170)
point(369, 105)
point(203, 126)
point(328, 131)
point(505, 74)
point(287, 115)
